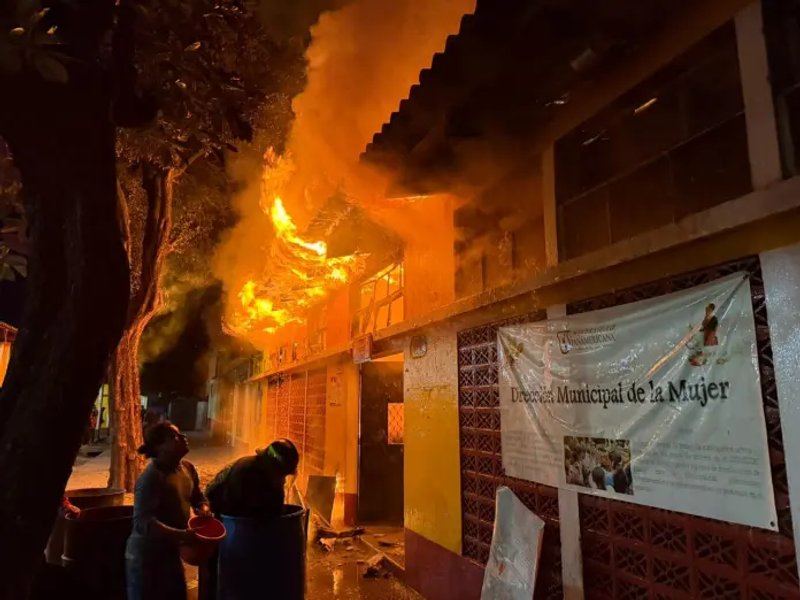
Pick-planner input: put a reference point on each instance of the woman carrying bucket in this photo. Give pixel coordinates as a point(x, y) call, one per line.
point(165, 493)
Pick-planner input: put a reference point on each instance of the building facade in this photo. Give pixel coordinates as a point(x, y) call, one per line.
point(570, 159)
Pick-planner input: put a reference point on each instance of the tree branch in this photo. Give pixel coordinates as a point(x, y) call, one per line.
point(188, 163)
point(124, 216)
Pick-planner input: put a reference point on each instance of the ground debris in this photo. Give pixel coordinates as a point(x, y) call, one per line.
point(332, 544)
point(375, 567)
point(324, 533)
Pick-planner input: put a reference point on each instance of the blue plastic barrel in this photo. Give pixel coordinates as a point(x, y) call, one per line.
point(264, 558)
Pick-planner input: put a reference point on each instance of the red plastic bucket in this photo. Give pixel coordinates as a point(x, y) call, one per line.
point(209, 532)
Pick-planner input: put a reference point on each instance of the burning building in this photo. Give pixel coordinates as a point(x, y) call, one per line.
point(556, 158)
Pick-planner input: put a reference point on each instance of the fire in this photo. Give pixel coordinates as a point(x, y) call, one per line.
point(287, 230)
point(299, 274)
point(363, 59)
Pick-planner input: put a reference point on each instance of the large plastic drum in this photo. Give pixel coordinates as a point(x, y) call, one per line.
point(82, 498)
point(96, 497)
point(264, 558)
point(94, 549)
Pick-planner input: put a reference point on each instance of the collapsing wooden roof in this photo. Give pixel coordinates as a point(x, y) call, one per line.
point(7, 333)
point(510, 68)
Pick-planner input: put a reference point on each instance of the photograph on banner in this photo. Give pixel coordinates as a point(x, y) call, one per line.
point(656, 402)
point(598, 464)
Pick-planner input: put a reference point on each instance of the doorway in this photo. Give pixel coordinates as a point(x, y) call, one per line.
point(380, 473)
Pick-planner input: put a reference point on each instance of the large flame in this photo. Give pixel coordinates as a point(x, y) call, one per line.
point(298, 274)
point(363, 59)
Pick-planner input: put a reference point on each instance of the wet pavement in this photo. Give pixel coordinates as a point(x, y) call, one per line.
point(337, 575)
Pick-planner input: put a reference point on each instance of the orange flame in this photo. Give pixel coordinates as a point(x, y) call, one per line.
point(299, 274)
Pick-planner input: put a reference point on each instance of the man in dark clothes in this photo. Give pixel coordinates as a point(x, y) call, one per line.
point(251, 487)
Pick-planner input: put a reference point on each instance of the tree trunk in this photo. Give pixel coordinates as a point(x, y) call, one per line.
point(126, 422)
point(62, 141)
point(126, 430)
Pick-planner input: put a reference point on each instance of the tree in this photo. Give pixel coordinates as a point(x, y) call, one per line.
point(56, 105)
point(212, 72)
point(13, 261)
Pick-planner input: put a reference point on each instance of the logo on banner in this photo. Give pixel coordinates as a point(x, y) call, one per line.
point(586, 340)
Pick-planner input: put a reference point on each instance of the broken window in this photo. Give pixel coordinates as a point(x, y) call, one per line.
point(380, 301)
point(674, 145)
point(318, 329)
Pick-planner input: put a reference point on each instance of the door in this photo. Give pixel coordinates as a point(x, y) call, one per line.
point(380, 483)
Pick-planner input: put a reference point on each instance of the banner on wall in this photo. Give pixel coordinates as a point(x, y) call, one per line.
point(657, 402)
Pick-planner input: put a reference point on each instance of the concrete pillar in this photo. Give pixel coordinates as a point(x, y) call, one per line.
point(569, 521)
point(781, 271)
point(759, 106)
point(549, 207)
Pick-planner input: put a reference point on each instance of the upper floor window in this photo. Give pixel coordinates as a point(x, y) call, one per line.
point(674, 145)
point(380, 301)
point(318, 329)
point(782, 25)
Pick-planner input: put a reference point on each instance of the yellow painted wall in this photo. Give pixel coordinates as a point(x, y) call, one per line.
point(338, 330)
point(429, 257)
point(432, 454)
point(341, 425)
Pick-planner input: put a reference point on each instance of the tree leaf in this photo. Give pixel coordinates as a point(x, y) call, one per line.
point(50, 69)
point(18, 264)
point(6, 272)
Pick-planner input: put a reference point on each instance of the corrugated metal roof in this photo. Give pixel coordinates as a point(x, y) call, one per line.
point(7, 332)
point(506, 71)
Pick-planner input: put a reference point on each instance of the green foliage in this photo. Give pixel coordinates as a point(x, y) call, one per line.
point(30, 40)
point(211, 70)
point(13, 245)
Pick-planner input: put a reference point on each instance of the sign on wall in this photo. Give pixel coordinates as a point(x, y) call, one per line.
point(656, 402)
point(362, 349)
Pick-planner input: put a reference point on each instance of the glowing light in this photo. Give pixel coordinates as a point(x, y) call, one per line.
point(645, 106)
point(298, 274)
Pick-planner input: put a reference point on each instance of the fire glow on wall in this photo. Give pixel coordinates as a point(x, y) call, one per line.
point(7, 335)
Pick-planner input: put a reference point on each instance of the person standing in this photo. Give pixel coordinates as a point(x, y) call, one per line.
point(164, 496)
point(251, 487)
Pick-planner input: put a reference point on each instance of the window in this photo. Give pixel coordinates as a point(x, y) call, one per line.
point(396, 423)
point(782, 26)
point(674, 145)
point(380, 301)
point(317, 329)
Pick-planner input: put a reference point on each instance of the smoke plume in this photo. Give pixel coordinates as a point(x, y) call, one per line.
point(362, 60)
